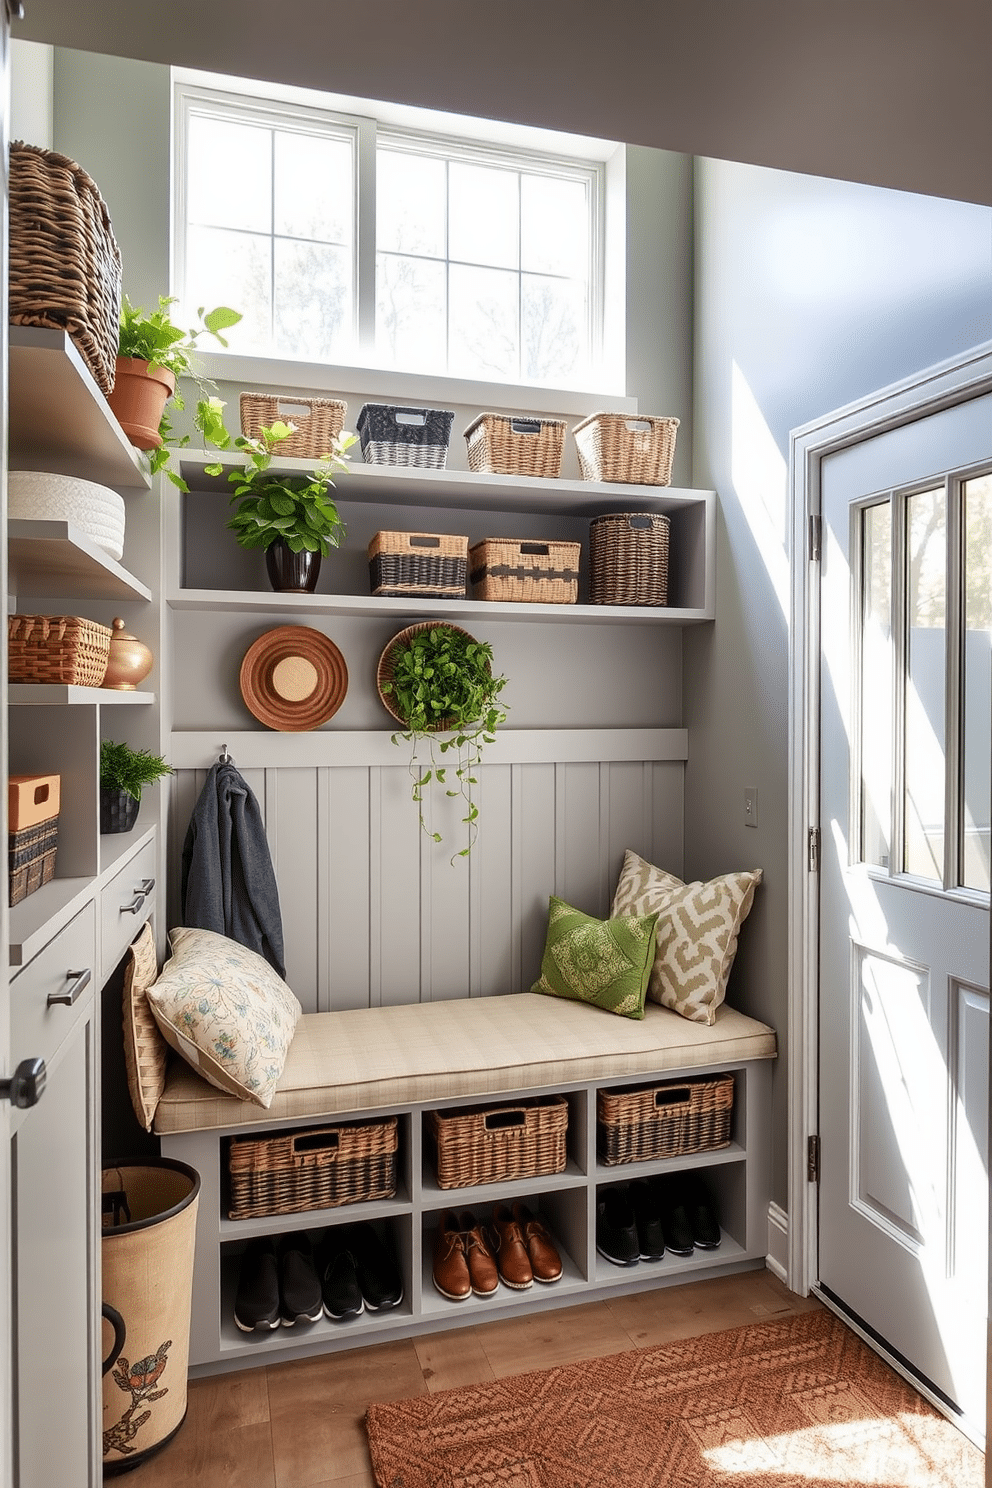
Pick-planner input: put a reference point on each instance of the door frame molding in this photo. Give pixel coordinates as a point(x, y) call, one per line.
point(927, 392)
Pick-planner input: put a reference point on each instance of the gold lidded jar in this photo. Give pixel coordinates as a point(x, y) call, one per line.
point(130, 660)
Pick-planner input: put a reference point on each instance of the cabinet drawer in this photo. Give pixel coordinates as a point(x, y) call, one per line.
point(126, 902)
point(66, 968)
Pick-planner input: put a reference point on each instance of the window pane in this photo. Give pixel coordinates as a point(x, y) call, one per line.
point(313, 310)
point(411, 326)
point(314, 187)
point(977, 719)
point(553, 327)
point(410, 204)
point(228, 175)
point(483, 215)
point(926, 594)
point(554, 226)
point(232, 268)
point(876, 685)
point(484, 340)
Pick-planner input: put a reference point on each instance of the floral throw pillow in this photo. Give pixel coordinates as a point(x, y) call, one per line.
point(604, 962)
point(698, 926)
point(224, 1009)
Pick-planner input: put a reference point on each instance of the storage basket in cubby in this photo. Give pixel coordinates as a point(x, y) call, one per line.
point(667, 1120)
point(635, 448)
point(525, 571)
point(31, 858)
point(317, 1167)
point(317, 422)
point(628, 559)
point(429, 564)
point(499, 444)
point(487, 1144)
point(65, 649)
point(391, 435)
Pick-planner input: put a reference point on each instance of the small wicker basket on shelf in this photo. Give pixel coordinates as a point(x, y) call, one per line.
point(525, 571)
point(63, 649)
point(628, 559)
point(667, 1120)
point(31, 858)
point(488, 1144)
point(430, 564)
point(319, 1167)
point(637, 450)
point(499, 444)
point(318, 422)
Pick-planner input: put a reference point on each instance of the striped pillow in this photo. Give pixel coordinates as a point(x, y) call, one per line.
point(698, 926)
point(146, 1053)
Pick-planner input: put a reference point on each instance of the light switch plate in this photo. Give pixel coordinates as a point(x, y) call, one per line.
point(750, 806)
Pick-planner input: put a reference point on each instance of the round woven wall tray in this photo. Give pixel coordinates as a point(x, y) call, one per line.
point(293, 678)
point(384, 671)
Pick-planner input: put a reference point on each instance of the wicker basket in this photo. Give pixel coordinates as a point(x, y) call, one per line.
point(319, 1167)
point(57, 648)
point(64, 263)
point(628, 559)
point(318, 422)
point(525, 571)
point(384, 671)
point(434, 564)
point(488, 1144)
point(666, 1120)
point(31, 858)
point(620, 447)
point(391, 435)
point(501, 445)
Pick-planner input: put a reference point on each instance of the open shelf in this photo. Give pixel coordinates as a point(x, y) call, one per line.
point(49, 557)
point(37, 918)
point(38, 694)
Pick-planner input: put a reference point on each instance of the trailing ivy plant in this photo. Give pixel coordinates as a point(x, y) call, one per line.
point(151, 336)
point(295, 508)
point(441, 681)
point(125, 769)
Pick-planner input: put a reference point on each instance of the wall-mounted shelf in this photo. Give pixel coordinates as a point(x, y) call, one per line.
point(44, 556)
point(44, 694)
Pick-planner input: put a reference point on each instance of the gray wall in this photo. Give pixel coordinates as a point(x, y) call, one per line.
point(809, 294)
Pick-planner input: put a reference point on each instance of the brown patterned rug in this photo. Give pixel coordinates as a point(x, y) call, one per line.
point(773, 1405)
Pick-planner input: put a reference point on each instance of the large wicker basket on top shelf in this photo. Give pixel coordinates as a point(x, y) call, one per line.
point(317, 422)
point(499, 444)
point(64, 262)
point(634, 448)
point(667, 1120)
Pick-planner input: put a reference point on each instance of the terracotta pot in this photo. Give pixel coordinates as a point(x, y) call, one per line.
point(130, 660)
point(138, 400)
point(289, 572)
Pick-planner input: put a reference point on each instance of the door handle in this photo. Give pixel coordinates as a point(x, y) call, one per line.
point(140, 895)
point(26, 1085)
point(77, 981)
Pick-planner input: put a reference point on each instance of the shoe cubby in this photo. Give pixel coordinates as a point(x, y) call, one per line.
point(725, 1187)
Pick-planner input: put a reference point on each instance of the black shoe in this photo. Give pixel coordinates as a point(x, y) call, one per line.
point(645, 1197)
point(616, 1229)
point(339, 1280)
point(299, 1289)
point(675, 1218)
point(257, 1302)
point(702, 1212)
point(379, 1276)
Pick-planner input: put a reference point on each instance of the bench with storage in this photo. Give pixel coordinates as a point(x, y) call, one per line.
point(406, 1062)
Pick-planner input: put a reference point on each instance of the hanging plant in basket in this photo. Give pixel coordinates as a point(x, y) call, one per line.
point(436, 679)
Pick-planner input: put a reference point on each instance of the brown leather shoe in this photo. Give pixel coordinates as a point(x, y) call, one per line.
point(511, 1252)
point(450, 1273)
point(544, 1258)
point(481, 1266)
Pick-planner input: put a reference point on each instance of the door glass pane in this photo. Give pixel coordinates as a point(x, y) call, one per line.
point(876, 685)
point(926, 616)
point(976, 708)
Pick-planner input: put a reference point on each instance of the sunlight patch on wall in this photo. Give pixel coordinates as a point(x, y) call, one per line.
point(759, 475)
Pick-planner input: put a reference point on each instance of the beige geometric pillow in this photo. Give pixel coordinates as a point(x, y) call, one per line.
point(146, 1053)
point(698, 926)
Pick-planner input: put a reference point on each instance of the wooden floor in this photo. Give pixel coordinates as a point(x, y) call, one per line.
point(300, 1424)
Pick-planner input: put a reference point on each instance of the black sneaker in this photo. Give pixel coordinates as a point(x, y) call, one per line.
point(616, 1229)
point(257, 1302)
point(379, 1276)
point(702, 1212)
point(675, 1220)
point(300, 1300)
point(645, 1196)
point(339, 1280)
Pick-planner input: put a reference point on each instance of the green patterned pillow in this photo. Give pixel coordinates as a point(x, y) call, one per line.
point(605, 962)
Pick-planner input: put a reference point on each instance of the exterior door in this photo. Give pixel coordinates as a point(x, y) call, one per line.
point(905, 600)
point(6, 1329)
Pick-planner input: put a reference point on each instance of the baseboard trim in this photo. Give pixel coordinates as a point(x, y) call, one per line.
point(777, 1259)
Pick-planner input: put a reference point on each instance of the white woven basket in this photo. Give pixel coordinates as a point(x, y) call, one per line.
point(96, 510)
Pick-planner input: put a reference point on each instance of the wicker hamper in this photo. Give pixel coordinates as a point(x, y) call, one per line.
point(64, 262)
point(487, 1144)
point(628, 559)
point(668, 1120)
point(57, 648)
point(318, 422)
point(525, 571)
point(620, 447)
point(501, 445)
point(391, 435)
point(319, 1167)
point(431, 564)
point(31, 858)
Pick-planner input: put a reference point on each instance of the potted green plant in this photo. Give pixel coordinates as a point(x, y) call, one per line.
point(290, 516)
point(123, 773)
point(153, 353)
point(436, 679)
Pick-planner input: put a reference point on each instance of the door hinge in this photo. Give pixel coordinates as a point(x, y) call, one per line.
point(814, 538)
point(813, 850)
point(812, 1159)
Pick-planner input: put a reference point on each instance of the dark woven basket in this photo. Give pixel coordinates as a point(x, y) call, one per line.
point(319, 1167)
point(628, 559)
point(487, 1144)
point(431, 564)
point(665, 1120)
point(64, 265)
point(31, 858)
point(391, 435)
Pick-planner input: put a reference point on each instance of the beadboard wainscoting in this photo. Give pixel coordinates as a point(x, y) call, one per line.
point(375, 912)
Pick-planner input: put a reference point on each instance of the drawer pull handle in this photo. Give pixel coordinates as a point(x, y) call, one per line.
point(140, 895)
point(77, 981)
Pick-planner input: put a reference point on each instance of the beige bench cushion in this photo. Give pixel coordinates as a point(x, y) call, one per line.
point(481, 1046)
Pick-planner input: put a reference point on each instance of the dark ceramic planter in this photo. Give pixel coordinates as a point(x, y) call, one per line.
point(289, 572)
point(118, 811)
